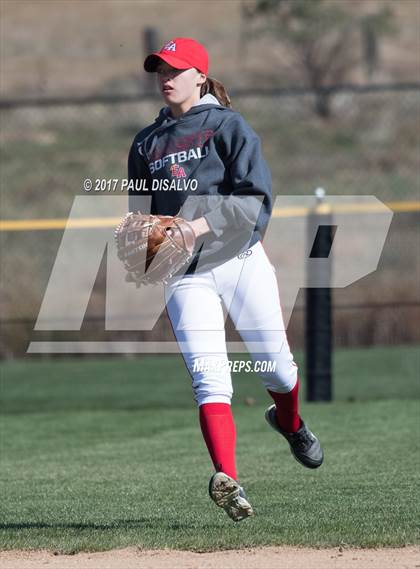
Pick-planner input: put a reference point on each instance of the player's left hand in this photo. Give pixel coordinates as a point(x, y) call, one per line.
point(153, 247)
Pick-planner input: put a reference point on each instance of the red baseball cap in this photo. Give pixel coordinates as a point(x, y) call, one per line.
point(181, 53)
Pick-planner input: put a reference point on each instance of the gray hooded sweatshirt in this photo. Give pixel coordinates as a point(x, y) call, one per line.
point(207, 162)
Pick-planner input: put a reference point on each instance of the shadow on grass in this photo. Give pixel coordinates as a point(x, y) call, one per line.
point(153, 523)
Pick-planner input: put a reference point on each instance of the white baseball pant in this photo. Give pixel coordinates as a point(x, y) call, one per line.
point(246, 287)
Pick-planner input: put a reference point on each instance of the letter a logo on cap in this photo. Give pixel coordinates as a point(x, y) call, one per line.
point(180, 53)
point(170, 46)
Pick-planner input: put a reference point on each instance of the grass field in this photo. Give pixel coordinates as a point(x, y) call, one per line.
point(98, 454)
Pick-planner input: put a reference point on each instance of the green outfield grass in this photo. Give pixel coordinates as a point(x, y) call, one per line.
point(97, 454)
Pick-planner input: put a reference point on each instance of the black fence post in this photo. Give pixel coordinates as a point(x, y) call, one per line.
point(150, 44)
point(318, 303)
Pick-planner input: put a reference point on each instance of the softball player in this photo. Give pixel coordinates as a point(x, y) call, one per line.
point(198, 138)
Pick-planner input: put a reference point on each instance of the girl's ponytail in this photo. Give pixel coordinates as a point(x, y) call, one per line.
point(216, 88)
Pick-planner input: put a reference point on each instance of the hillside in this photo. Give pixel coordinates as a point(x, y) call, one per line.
point(63, 47)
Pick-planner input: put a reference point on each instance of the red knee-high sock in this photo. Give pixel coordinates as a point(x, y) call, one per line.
point(287, 405)
point(219, 432)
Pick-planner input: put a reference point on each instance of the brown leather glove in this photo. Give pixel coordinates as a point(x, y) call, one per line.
point(153, 247)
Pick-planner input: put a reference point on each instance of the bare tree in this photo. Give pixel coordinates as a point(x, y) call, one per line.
point(327, 38)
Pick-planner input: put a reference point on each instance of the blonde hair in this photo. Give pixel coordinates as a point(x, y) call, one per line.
point(216, 88)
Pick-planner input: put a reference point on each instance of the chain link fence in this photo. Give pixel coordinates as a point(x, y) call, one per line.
point(370, 146)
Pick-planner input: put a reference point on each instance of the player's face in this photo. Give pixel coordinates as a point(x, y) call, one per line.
point(179, 86)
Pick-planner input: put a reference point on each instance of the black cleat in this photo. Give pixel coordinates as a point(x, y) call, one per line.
point(304, 445)
point(230, 496)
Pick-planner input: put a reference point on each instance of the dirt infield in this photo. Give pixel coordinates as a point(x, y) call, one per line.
point(260, 558)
